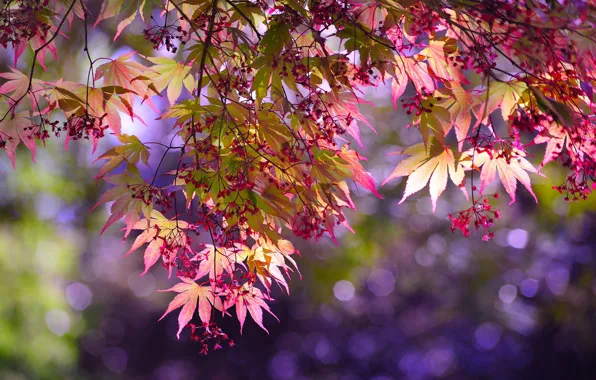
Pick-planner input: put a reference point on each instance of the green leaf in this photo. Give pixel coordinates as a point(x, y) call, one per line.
point(261, 82)
point(275, 39)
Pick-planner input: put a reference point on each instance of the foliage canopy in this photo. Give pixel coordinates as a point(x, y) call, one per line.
point(264, 97)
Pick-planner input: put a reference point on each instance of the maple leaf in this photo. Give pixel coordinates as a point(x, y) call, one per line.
point(584, 42)
point(261, 82)
point(62, 6)
point(275, 202)
point(275, 38)
point(249, 298)
point(131, 151)
point(409, 69)
point(171, 74)
point(216, 260)
point(499, 95)
point(187, 8)
point(437, 121)
point(126, 73)
point(370, 15)
point(126, 12)
point(511, 166)
point(63, 96)
point(268, 261)
point(436, 58)
point(190, 296)
point(108, 101)
point(36, 43)
point(358, 173)
point(421, 168)
point(17, 84)
point(125, 204)
point(157, 231)
point(459, 106)
point(13, 130)
point(556, 138)
point(559, 138)
point(398, 87)
point(345, 104)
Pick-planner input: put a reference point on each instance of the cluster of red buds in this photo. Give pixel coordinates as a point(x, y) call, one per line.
point(575, 188)
point(419, 103)
point(39, 130)
point(4, 139)
point(86, 126)
point(209, 333)
point(481, 214)
point(23, 22)
point(165, 35)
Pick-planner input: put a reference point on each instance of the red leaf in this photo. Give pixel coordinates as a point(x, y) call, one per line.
point(190, 294)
